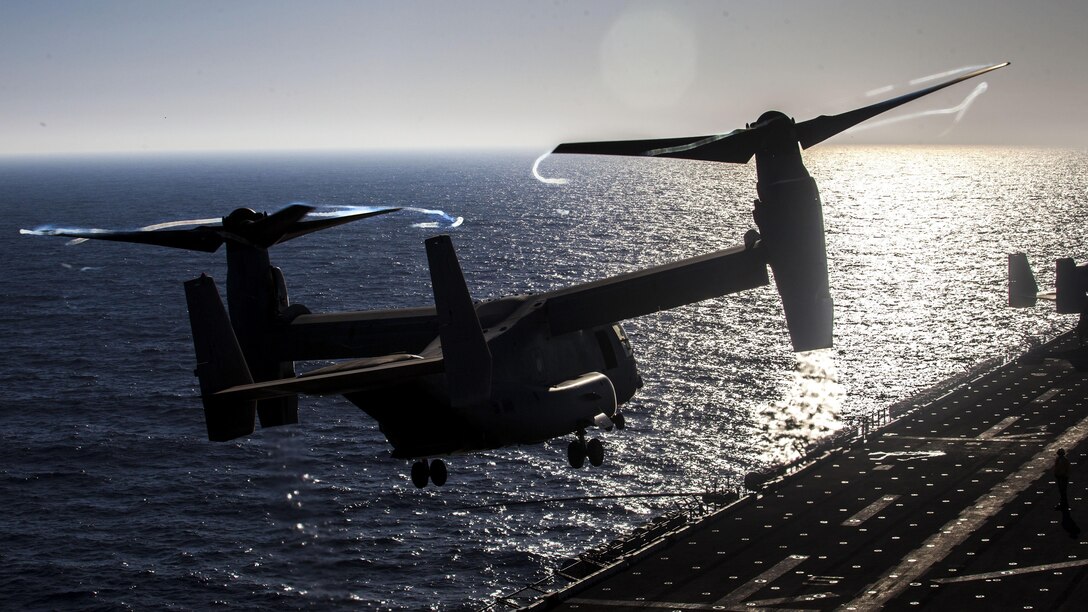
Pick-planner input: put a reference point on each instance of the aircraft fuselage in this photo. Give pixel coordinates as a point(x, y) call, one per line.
point(543, 386)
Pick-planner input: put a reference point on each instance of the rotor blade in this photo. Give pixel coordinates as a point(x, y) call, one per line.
point(263, 232)
point(203, 238)
point(631, 148)
point(734, 147)
point(271, 229)
point(819, 129)
point(305, 227)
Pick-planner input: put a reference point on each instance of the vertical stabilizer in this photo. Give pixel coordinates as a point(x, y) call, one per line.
point(1022, 286)
point(464, 349)
point(1070, 283)
point(220, 363)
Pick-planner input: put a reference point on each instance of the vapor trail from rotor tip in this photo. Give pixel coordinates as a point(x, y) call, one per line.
point(545, 180)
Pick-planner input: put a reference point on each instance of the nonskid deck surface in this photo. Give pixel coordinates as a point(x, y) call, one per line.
point(951, 507)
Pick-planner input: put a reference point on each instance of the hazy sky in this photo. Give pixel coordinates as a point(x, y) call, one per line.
point(194, 75)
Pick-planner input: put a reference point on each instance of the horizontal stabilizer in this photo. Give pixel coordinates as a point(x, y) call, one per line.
point(333, 381)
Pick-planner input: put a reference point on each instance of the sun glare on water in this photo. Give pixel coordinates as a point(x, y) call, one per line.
point(810, 410)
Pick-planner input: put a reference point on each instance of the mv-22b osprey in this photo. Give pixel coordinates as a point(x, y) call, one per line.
point(465, 376)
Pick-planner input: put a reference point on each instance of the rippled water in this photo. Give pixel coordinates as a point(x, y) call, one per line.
point(114, 499)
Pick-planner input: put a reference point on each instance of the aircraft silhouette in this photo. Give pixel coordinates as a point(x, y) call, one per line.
point(464, 376)
point(1070, 296)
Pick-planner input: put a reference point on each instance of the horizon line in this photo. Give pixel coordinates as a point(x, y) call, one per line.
point(394, 150)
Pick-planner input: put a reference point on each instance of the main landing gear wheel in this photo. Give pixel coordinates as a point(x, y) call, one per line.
point(595, 452)
point(576, 453)
point(435, 472)
point(579, 450)
point(421, 473)
point(438, 472)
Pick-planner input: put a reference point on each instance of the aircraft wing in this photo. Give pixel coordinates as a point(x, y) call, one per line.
point(339, 379)
point(658, 288)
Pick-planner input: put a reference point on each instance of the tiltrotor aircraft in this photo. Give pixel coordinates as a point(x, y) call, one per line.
point(464, 376)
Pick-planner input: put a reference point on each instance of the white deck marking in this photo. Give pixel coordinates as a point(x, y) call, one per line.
point(777, 601)
point(975, 441)
point(749, 588)
point(1012, 572)
point(1001, 426)
point(733, 601)
point(1045, 397)
point(956, 531)
point(620, 603)
point(869, 511)
point(904, 455)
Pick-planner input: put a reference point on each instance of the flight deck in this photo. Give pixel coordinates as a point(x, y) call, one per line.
point(950, 506)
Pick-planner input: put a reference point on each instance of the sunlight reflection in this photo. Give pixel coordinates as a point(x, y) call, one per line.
point(811, 409)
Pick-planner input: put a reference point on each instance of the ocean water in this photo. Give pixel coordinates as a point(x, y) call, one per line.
point(114, 499)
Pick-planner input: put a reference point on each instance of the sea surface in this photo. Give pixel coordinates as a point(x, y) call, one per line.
point(114, 499)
